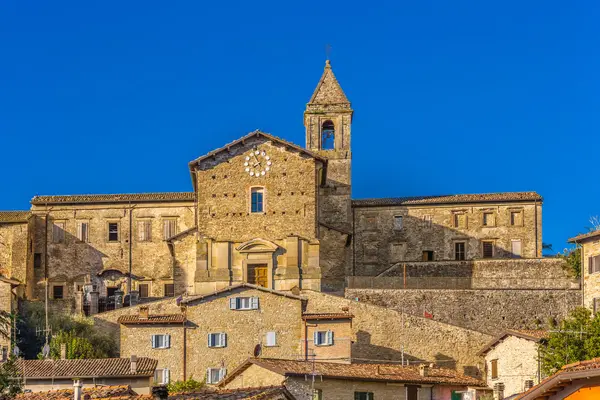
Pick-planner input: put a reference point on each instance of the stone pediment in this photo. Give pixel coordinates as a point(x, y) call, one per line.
point(257, 245)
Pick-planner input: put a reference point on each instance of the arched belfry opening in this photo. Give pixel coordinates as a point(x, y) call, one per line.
point(328, 135)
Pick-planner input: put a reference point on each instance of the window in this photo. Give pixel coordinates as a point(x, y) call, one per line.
point(494, 367)
point(215, 375)
point(144, 290)
point(78, 286)
point(169, 290)
point(596, 304)
point(363, 395)
point(427, 255)
point(271, 339)
point(427, 221)
point(58, 231)
point(169, 228)
point(398, 223)
point(412, 392)
point(161, 376)
point(317, 394)
point(460, 220)
point(257, 204)
point(113, 231)
point(516, 218)
point(328, 135)
point(243, 303)
point(145, 230)
point(83, 230)
point(487, 249)
point(58, 292)
point(488, 219)
point(528, 384)
point(37, 260)
point(323, 338)
point(459, 251)
point(161, 341)
point(515, 248)
point(217, 340)
point(594, 264)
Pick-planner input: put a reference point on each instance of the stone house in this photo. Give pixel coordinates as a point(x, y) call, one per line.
point(590, 268)
point(316, 380)
point(512, 363)
point(44, 375)
point(215, 333)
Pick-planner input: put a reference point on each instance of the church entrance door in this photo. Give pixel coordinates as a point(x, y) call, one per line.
point(258, 275)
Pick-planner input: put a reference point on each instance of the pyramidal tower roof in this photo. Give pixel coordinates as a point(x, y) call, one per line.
point(328, 89)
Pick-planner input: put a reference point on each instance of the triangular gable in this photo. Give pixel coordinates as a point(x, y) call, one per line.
point(328, 90)
point(243, 285)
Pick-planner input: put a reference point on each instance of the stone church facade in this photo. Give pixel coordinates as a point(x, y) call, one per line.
point(262, 210)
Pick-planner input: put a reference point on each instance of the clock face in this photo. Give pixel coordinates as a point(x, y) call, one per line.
point(257, 163)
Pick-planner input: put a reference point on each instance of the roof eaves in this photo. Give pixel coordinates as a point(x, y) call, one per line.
point(584, 236)
point(238, 286)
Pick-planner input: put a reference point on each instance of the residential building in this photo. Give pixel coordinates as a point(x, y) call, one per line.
point(590, 268)
point(316, 380)
point(512, 362)
point(49, 374)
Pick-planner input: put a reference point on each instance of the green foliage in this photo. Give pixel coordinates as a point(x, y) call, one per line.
point(10, 379)
point(6, 320)
point(573, 259)
point(78, 332)
point(576, 338)
point(185, 386)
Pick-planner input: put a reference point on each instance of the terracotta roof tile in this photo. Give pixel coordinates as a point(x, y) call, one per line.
point(535, 335)
point(190, 299)
point(100, 367)
point(14, 216)
point(325, 316)
point(114, 198)
point(363, 372)
point(585, 236)
point(328, 90)
point(152, 319)
point(94, 393)
point(263, 393)
point(449, 199)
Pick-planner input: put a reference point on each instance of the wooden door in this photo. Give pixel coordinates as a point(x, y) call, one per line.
point(258, 275)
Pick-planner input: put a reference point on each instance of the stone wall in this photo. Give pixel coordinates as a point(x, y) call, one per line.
point(15, 259)
point(6, 305)
point(591, 282)
point(382, 334)
point(488, 311)
point(380, 245)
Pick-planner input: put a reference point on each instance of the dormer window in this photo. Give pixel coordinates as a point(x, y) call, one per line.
point(257, 200)
point(328, 135)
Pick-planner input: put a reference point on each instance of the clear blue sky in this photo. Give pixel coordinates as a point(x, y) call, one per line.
point(449, 96)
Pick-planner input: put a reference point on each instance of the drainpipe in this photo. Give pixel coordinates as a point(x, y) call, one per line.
point(130, 251)
point(46, 272)
point(353, 240)
point(305, 341)
point(184, 349)
point(536, 229)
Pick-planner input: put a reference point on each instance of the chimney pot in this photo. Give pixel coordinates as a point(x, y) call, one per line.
point(143, 313)
point(63, 351)
point(133, 360)
point(424, 370)
point(77, 386)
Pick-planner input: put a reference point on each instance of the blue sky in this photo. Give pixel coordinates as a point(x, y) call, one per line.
point(449, 97)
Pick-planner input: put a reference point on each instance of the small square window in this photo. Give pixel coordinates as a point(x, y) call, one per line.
point(459, 251)
point(144, 290)
point(427, 221)
point(487, 249)
point(271, 339)
point(169, 290)
point(257, 204)
point(58, 292)
point(161, 376)
point(243, 303)
point(460, 220)
point(161, 341)
point(215, 375)
point(398, 223)
point(488, 219)
point(113, 231)
point(323, 338)
point(516, 218)
point(427, 255)
point(217, 339)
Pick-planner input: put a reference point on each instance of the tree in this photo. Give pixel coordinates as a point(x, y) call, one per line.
point(78, 347)
point(6, 320)
point(10, 379)
point(572, 259)
point(576, 338)
point(185, 386)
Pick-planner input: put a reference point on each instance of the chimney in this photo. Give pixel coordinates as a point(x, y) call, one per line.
point(63, 351)
point(77, 386)
point(134, 360)
point(424, 370)
point(143, 312)
point(160, 392)
point(346, 309)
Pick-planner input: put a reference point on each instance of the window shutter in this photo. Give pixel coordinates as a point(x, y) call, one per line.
point(209, 340)
point(208, 376)
point(329, 338)
point(254, 303)
point(271, 339)
point(153, 341)
point(232, 303)
point(316, 338)
point(166, 376)
point(222, 373)
point(223, 339)
point(79, 231)
point(590, 265)
point(167, 341)
point(596, 263)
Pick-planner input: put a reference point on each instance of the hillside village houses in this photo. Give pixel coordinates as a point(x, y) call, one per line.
point(198, 280)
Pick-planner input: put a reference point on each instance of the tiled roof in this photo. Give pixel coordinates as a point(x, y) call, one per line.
point(14, 216)
point(94, 393)
point(100, 367)
point(152, 319)
point(449, 199)
point(263, 393)
point(325, 316)
point(114, 198)
point(534, 335)
point(256, 133)
point(362, 372)
point(328, 90)
point(585, 236)
point(190, 299)
point(566, 375)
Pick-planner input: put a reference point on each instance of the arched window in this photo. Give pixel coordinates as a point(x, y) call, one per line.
point(328, 135)
point(257, 200)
